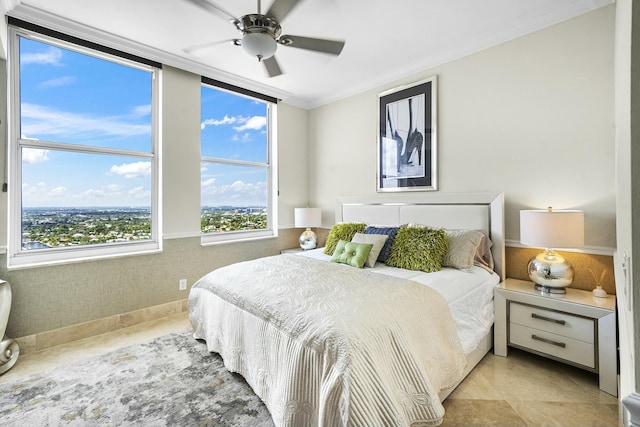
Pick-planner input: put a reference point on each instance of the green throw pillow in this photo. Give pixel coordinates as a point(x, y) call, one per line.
point(344, 231)
point(353, 254)
point(418, 248)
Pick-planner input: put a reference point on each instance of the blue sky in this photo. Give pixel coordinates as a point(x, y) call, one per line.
point(233, 127)
point(77, 99)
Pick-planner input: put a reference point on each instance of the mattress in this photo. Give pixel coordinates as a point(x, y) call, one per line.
point(469, 294)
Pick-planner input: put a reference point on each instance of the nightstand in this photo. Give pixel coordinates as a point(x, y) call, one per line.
point(574, 328)
point(291, 251)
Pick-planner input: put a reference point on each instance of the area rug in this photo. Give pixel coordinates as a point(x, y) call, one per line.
point(170, 381)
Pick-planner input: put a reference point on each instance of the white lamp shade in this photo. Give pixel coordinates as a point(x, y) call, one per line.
point(261, 45)
point(552, 229)
point(308, 217)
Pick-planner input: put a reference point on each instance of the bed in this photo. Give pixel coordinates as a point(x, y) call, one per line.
point(325, 344)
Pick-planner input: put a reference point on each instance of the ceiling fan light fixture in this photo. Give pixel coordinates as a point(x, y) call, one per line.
point(260, 45)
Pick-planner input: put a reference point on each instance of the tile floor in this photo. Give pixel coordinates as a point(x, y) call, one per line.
point(520, 390)
point(528, 390)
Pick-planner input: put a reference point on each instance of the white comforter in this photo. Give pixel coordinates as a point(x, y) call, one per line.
point(324, 344)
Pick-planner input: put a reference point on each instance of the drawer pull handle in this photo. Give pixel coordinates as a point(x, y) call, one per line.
point(548, 319)
point(559, 344)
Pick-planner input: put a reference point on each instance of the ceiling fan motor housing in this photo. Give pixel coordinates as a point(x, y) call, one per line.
point(259, 34)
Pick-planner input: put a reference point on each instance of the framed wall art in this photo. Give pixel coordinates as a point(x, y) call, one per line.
point(407, 140)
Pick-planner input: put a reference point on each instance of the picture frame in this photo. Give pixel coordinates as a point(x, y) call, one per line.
point(407, 138)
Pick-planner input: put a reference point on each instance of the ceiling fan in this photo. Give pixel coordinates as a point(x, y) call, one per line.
point(261, 34)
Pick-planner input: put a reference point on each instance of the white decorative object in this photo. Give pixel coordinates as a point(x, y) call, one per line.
point(599, 292)
point(9, 349)
point(307, 218)
point(551, 230)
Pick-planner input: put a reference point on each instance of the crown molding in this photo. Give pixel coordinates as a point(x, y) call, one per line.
point(8, 5)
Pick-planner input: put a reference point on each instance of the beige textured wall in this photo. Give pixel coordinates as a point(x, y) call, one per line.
point(590, 270)
point(532, 118)
point(180, 153)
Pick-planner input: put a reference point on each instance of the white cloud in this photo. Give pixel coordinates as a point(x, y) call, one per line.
point(62, 81)
point(142, 110)
point(253, 123)
point(238, 186)
point(74, 195)
point(40, 120)
point(139, 193)
point(35, 191)
point(132, 170)
point(244, 123)
point(245, 137)
point(51, 56)
point(34, 155)
point(238, 192)
point(93, 194)
point(209, 182)
point(58, 191)
point(213, 122)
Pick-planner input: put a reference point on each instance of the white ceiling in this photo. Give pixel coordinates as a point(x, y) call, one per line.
point(385, 40)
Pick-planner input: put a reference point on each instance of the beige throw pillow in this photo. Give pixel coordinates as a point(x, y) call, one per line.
point(377, 240)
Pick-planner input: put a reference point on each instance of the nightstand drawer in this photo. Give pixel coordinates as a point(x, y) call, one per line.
point(563, 324)
point(573, 350)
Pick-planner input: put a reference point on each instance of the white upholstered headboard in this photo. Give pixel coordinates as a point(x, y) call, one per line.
point(476, 211)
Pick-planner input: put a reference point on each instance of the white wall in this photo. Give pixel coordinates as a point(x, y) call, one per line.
point(532, 118)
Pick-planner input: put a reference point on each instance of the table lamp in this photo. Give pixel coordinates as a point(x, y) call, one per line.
point(307, 218)
point(551, 229)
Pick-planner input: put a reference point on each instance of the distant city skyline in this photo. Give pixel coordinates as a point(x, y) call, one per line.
point(78, 99)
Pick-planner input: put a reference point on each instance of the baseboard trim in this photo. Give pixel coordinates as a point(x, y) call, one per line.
point(54, 337)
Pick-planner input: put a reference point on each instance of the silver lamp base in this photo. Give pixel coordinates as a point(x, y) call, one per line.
point(550, 272)
point(308, 240)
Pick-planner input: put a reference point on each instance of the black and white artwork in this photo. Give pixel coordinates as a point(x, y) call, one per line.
point(406, 142)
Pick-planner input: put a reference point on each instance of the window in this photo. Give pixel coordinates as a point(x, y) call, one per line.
point(237, 174)
point(83, 165)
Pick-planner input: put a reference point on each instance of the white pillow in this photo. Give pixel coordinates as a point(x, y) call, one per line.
point(377, 240)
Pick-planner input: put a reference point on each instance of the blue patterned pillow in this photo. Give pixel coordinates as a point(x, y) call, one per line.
point(388, 231)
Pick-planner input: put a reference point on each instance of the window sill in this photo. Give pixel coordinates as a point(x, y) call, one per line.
point(73, 256)
point(235, 237)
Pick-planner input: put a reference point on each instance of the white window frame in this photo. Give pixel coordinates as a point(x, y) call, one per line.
point(270, 166)
point(18, 258)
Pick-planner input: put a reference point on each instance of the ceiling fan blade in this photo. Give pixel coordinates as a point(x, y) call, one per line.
point(333, 47)
point(272, 67)
point(281, 8)
point(202, 46)
point(215, 9)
